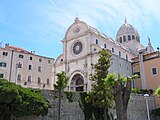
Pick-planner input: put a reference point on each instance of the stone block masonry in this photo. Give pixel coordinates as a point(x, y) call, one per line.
point(137, 109)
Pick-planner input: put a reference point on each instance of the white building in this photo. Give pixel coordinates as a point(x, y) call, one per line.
point(81, 46)
point(26, 68)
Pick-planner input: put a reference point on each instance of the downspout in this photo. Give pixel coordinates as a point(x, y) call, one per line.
point(10, 73)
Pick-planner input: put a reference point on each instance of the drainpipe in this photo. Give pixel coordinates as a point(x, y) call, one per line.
point(10, 73)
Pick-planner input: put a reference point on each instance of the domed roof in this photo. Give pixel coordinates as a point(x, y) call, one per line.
point(126, 29)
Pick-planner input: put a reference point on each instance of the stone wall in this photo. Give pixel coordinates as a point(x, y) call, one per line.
point(69, 111)
point(137, 109)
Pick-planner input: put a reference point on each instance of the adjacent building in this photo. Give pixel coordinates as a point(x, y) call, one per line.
point(147, 67)
point(26, 68)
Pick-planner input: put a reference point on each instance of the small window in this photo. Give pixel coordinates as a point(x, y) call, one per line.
point(19, 77)
point(129, 37)
point(1, 75)
point(61, 60)
point(113, 50)
point(119, 54)
point(5, 53)
point(20, 56)
point(154, 71)
point(49, 61)
point(48, 81)
point(105, 46)
point(30, 58)
point(39, 80)
point(120, 39)
point(3, 64)
point(39, 69)
point(29, 79)
point(96, 41)
point(94, 49)
point(30, 67)
point(133, 37)
point(40, 59)
point(124, 38)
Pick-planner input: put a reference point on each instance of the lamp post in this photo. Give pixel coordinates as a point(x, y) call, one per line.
point(146, 98)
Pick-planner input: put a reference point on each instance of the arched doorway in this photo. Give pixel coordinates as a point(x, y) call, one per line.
point(77, 83)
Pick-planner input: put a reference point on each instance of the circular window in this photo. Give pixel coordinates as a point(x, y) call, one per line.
point(76, 29)
point(77, 48)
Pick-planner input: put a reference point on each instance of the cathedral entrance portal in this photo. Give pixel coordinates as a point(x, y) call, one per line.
point(77, 83)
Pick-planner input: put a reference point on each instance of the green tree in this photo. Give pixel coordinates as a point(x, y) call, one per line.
point(60, 85)
point(121, 90)
point(18, 101)
point(157, 92)
point(100, 96)
point(157, 110)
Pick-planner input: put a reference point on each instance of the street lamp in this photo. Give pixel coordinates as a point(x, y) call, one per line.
point(115, 117)
point(146, 98)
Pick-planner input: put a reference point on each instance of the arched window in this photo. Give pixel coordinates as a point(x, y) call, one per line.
point(119, 54)
point(124, 38)
point(48, 81)
point(96, 41)
point(105, 46)
point(19, 77)
point(39, 80)
point(120, 39)
point(30, 67)
point(129, 37)
point(29, 79)
point(39, 68)
point(113, 50)
point(133, 37)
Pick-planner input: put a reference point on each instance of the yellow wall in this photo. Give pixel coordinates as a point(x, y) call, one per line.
point(152, 81)
point(137, 82)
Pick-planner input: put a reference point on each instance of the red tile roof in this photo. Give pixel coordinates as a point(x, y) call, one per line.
point(18, 49)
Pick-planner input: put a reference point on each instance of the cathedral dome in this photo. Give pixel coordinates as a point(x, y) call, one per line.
point(126, 28)
point(126, 33)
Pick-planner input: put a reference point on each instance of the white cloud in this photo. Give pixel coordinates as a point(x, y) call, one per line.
point(55, 16)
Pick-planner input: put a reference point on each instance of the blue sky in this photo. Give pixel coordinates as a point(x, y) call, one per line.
point(40, 25)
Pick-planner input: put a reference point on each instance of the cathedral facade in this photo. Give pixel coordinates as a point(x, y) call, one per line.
point(81, 45)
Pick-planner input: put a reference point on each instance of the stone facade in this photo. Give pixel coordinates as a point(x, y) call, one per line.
point(81, 45)
point(26, 68)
